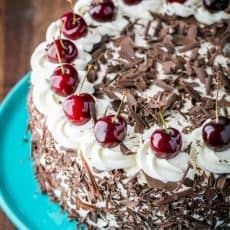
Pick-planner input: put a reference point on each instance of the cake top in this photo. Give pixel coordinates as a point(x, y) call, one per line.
point(134, 87)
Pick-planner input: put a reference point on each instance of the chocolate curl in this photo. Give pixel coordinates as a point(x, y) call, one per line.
point(218, 83)
point(72, 8)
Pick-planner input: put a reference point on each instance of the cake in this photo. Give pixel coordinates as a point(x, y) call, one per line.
point(129, 114)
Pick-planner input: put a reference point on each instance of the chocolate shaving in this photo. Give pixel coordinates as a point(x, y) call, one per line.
point(183, 40)
point(168, 67)
point(147, 29)
point(124, 150)
point(85, 205)
point(127, 49)
point(110, 92)
point(132, 103)
point(168, 44)
point(92, 75)
point(201, 74)
point(93, 111)
point(192, 32)
point(169, 223)
point(208, 84)
point(192, 92)
point(168, 199)
point(172, 99)
point(163, 85)
point(189, 46)
point(97, 53)
point(194, 55)
point(222, 182)
point(140, 124)
point(224, 79)
point(154, 183)
point(183, 178)
point(92, 183)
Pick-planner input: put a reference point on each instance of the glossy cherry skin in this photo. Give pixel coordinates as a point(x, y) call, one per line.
point(73, 30)
point(131, 2)
point(77, 108)
point(68, 53)
point(65, 83)
point(110, 133)
point(102, 10)
point(217, 135)
point(166, 145)
point(216, 5)
point(176, 1)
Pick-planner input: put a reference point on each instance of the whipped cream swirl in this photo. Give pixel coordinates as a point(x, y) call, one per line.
point(142, 9)
point(164, 170)
point(216, 162)
point(68, 135)
point(195, 8)
point(113, 28)
point(85, 43)
point(185, 9)
point(208, 159)
point(65, 133)
point(46, 101)
point(106, 159)
point(40, 63)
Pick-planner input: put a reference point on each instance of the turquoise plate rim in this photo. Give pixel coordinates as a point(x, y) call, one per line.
point(26, 207)
point(3, 203)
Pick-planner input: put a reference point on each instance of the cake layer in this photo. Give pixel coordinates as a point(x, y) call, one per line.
point(115, 201)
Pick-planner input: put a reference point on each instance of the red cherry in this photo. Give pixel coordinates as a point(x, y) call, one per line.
point(132, 2)
point(216, 5)
point(68, 53)
point(217, 135)
point(176, 1)
point(166, 145)
point(110, 133)
point(65, 83)
point(77, 108)
point(73, 30)
point(103, 10)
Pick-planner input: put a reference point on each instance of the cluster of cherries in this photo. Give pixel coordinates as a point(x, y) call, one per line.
point(64, 80)
point(212, 5)
point(112, 129)
point(167, 143)
point(104, 10)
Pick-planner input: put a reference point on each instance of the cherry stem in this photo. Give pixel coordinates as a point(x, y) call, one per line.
point(163, 122)
point(218, 83)
point(62, 44)
point(83, 10)
point(72, 8)
point(89, 67)
point(119, 108)
point(59, 58)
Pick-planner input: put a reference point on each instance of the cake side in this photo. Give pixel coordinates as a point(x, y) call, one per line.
point(116, 201)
